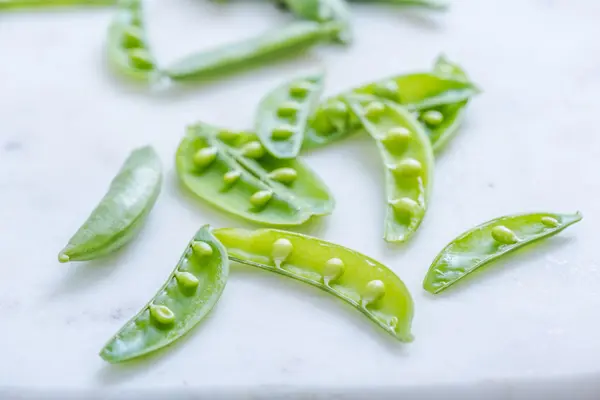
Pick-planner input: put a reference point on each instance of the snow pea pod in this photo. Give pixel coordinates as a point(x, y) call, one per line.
point(308, 9)
point(16, 4)
point(188, 295)
point(282, 115)
point(211, 173)
point(121, 212)
point(490, 241)
point(127, 45)
point(360, 281)
point(289, 40)
point(408, 159)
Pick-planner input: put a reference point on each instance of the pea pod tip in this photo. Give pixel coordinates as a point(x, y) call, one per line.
point(63, 258)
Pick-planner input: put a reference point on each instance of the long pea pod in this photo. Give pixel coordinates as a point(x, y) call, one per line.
point(489, 242)
point(122, 211)
point(408, 159)
point(282, 115)
point(19, 4)
point(367, 285)
point(127, 44)
point(188, 295)
point(288, 40)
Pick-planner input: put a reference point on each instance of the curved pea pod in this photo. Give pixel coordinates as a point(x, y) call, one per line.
point(122, 211)
point(16, 4)
point(188, 295)
point(293, 176)
point(490, 241)
point(408, 158)
point(360, 281)
point(127, 45)
point(289, 40)
point(208, 171)
point(282, 115)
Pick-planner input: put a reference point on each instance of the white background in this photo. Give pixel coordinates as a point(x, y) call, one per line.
point(527, 327)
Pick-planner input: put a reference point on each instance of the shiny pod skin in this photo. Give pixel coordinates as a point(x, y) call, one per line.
point(408, 160)
point(188, 295)
point(490, 241)
point(122, 211)
point(360, 281)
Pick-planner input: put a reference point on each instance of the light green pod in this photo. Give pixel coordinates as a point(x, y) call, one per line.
point(274, 118)
point(19, 4)
point(409, 172)
point(437, 5)
point(490, 241)
point(121, 212)
point(188, 295)
point(360, 281)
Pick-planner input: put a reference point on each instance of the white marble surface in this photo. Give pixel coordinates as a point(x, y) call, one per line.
point(526, 329)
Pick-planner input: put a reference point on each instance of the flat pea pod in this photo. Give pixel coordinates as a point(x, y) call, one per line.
point(127, 44)
point(332, 121)
point(122, 211)
point(17, 4)
point(408, 158)
point(209, 172)
point(282, 115)
point(292, 177)
point(490, 241)
point(288, 40)
point(367, 285)
point(429, 4)
point(188, 295)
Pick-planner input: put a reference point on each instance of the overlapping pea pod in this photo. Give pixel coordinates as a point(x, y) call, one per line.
point(17, 4)
point(360, 281)
point(188, 295)
point(408, 159)
point(490, 241)
point(127, 45)
point(438, 97)
point(232, 171)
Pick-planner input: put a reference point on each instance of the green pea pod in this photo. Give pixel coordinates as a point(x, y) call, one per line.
point(209, 172)
point(338, 10)
point(282, 115)
point(121, 212)
point(408, 159)
point(127, 44)
point(17, 4)
point(188, 295)
point(360, 281)
point(289, 40)
point(490, 241)
point(308, 9)
point(430, 4)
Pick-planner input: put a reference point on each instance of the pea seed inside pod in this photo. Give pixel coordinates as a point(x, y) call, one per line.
point(162, 314)
point(407, 168)
point(202, 249)
point(374, 291)
point(253, 150)
point(133, 37)
point(336, 109)
point(284, 175)
point(301, 89)
point(228, 136)
point(334, 268)
point(550, 222)
point(205, 156)
point(231, 177)
point(187, 280)
point(504, 235)
point(141, 59)
point(396, 139)
point(374, 110)
point(387, 90)
point(404, 207)
point(432, 117)
point(282, 132)
point(288, 109)
point(282, 248)
point(261, 198)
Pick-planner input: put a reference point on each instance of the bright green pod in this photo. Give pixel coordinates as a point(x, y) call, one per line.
point(122, 211)
point(272, 125)
point(19, 4)
point(490, 241)
point(188, 295)
point(409, 173)
point(367, 285)
point(289, 40)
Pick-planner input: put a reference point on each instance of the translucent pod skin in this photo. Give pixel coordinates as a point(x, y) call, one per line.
point(490, 241)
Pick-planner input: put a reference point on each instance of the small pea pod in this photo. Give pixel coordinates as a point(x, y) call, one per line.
point(127, 45)
point(17, 4)
point(208, 171)
point(283, 113)
point(408, 159)
point(121, 212)
point(490, 241)
point(188, 295)
point(289, 40)
point(366, 284)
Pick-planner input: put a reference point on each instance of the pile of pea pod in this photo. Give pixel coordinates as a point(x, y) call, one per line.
point(258, 175)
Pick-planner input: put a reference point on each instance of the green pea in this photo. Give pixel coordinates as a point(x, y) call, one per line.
point(282, 248)
point(374, 110)
point(396, 139)
point(231, 177)
point(162, 314)
point(205, 156)
point(187, 280)
point(288, 109)
point(432, 117)
point(387, 90)
point(550, 222)
point(202, 249)
point(336, 109)
point(405, 207)
point(300, 89)
point(284, 175)
point(261, 198)
point(334, 269)
point(228, 136)
point(141, 59)
point(133, 37)
point(282, 132)
point(253, 150)
point(374, 291)
point(407, 168)
point(504, 235)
